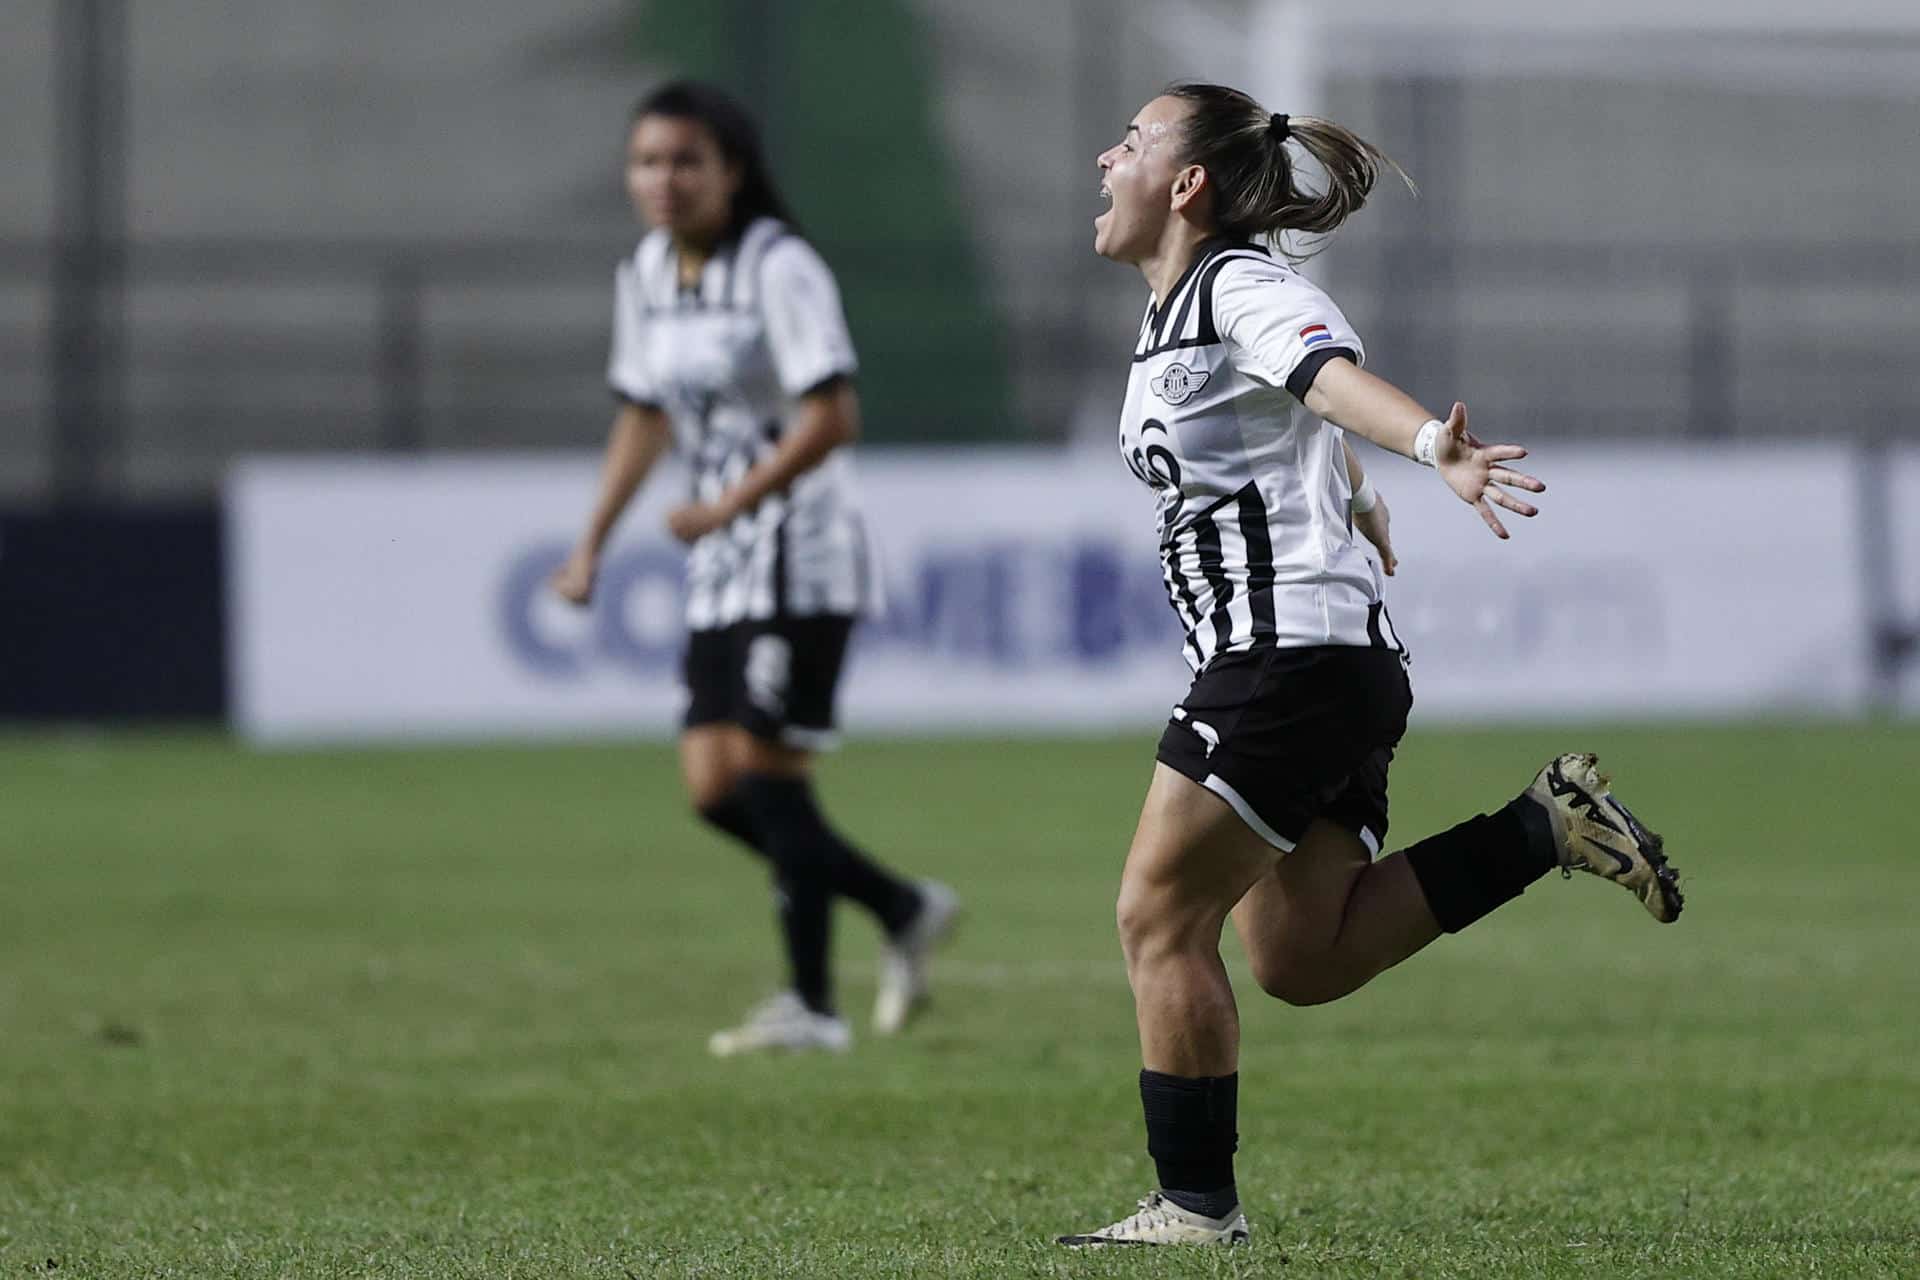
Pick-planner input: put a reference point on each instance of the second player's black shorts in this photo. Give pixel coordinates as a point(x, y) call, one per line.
point(777, 678)
point(1285, 736)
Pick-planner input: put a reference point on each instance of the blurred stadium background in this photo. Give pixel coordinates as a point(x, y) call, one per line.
point(244, 229)
point(303, 312)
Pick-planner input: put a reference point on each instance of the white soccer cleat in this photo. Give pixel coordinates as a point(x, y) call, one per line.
point(903, 961)
point(1595, 833)
point(1159, 1220)
point(783, 1023)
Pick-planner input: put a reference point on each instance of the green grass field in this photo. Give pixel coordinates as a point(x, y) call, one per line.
point(443, 1013)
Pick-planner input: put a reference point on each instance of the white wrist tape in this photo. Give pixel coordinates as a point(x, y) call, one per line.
point(1364, 498)
point(1426, 445)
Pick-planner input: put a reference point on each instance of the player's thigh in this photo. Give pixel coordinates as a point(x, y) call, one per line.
point(755, 754)
point(1296, 909)
point(713, 759)
point(726, 736)
point(1191, 859)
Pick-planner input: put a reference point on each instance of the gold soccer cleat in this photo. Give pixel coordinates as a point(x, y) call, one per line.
point(1594, 832)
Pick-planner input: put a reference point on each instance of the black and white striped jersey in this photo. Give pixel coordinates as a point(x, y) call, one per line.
point(1256, 544)
point(725, 360)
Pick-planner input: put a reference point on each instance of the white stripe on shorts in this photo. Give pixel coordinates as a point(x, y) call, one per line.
point(809, 739)
point(1222, 788)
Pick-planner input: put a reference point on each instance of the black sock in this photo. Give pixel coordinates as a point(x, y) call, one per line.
point(802, 874)
point(1468, 871)
point(731, 816)
point(806, 923)
point(1191, 1135)
point(805, 908)
point(784, 811)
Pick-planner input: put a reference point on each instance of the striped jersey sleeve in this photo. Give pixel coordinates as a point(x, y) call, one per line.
point(806, 328)
point(627, 373)
point(1279, 326)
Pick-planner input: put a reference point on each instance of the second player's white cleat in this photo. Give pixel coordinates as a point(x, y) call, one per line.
point(783, 1023)
point(903, 960)
point(1159, 1220)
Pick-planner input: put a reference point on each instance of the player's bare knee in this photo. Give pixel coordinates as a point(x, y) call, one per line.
point(1288, 980)
point(1304, 993)
point(1156, 924)
point(1133, 918)
point(1278, 980)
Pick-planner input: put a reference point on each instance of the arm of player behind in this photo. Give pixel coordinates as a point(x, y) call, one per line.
point(1349, 397)
point(639, 435)
point(827, 418)
point(1370, 515)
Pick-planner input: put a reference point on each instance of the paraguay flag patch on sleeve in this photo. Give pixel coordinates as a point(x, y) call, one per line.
point(1314, 334)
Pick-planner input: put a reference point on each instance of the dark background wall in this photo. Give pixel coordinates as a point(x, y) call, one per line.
point(111, 613)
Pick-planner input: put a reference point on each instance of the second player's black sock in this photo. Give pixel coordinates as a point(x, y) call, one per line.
point(785, 811)
point(1467, 871)
point(806, 923)
point(731, 816)
point(801, 872)
point(1192, 1132)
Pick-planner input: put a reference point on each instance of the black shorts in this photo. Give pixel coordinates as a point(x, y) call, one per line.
point(776, 679)
point(1285, 736)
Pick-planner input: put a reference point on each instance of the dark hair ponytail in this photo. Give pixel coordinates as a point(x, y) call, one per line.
point(739, 142)
point(1257, 191)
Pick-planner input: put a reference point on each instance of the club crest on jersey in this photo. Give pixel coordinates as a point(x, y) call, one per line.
point(1179, 384)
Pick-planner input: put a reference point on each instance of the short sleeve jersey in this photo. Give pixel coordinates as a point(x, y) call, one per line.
point(1256, 543)
point(726, 359)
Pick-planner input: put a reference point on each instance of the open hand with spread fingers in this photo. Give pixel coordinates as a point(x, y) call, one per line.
point(1477, 472)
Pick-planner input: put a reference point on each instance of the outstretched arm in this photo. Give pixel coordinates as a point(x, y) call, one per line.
point(1348, 396)
point(639, 436)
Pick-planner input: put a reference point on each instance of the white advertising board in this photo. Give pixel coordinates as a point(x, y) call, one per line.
point(373, 598)
point(1656, 581)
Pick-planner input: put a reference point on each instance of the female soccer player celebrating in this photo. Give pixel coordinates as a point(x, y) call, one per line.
point(729, 344)
point(1269, 798)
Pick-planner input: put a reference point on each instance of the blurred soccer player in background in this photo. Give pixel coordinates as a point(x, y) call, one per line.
point(1269, 799)
point(729, 345)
